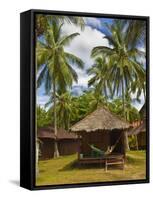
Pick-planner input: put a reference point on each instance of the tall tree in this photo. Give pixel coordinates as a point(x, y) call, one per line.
point(66, 109)
point(136, 32)
point(54, 64)
point(44, 21)
point(100, 80)
point(131, 113)
point(88, 102)
point(43, 118)
point(124, 66)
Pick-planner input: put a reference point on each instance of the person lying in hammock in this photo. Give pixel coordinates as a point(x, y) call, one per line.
point(96, 152)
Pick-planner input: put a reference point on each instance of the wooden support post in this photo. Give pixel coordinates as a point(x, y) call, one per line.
point(126, 141)
point(123, 167)
point(136, 140)
point(106, 165)
point(79, 147)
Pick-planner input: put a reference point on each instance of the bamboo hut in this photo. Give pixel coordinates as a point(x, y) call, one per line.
point(67, 142)
point(139, 132)
point(103, 130)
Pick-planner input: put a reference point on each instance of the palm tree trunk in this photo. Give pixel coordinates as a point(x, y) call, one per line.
point(68, 123)
point(37, 157)
point(56, 152)
point(36, 139)
point(123, 100)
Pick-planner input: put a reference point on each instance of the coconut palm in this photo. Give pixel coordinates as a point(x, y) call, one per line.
point(66, 109)
point(100, 80)
point(124, 67)
point(138, 86)
point(131, 113)
point(88, 102)
point(43, 118)
point(44, 21)
point(137, 36)
point(136, 32)
point(54, 64)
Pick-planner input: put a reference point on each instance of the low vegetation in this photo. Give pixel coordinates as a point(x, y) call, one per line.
point(65, 170)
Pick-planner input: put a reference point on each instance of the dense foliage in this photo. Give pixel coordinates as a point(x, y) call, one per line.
point(70, 109)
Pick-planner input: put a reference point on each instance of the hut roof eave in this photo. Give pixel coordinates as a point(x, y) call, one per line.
point(94, 130)
point(48, 133)
point(100, 119)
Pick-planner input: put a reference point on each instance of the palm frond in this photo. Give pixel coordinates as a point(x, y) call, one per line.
point(73, 72)
point(102, 50)
point(41, 54)
point(74, 60)
point(134, 52)
point(42, 76)
point(56, 30)
point(67, 39)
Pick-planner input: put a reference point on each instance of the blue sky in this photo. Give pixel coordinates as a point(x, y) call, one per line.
point(81, 46)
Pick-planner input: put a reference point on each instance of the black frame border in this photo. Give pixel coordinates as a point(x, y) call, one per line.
point(28, 99)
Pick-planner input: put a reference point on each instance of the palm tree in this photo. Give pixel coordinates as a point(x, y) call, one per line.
point(44, 21)
point(138, 86)
point(43, 118)
point(137, 29)
point(124, 66)
point(136, 32)
point(66, 109)
point(131, 113)
point(100, 80)
point(54, 64)
point(88, 102)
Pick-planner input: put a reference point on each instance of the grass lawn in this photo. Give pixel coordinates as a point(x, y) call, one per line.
point(64, 170)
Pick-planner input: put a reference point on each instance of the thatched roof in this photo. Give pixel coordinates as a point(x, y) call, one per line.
point(48, 132)
point(140, 129)
point(100, 119)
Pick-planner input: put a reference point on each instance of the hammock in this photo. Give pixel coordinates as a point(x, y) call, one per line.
point(98, 152)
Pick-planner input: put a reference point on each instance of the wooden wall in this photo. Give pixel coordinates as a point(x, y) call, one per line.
point(46, 149)
point(141, 140)
point(65, 147)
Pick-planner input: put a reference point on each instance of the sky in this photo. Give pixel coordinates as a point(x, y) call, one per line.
point(81, 46)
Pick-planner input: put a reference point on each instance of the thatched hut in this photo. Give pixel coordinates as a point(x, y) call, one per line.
point(67, 142)
point(139, 132)
point(102, 129)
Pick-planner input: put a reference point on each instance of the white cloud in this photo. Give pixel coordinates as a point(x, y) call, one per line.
point(82, 45)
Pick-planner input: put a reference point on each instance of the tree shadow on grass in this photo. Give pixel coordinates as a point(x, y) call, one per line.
point(75, 165)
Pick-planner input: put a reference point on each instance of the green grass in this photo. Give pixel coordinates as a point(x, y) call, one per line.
point(65, 170)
